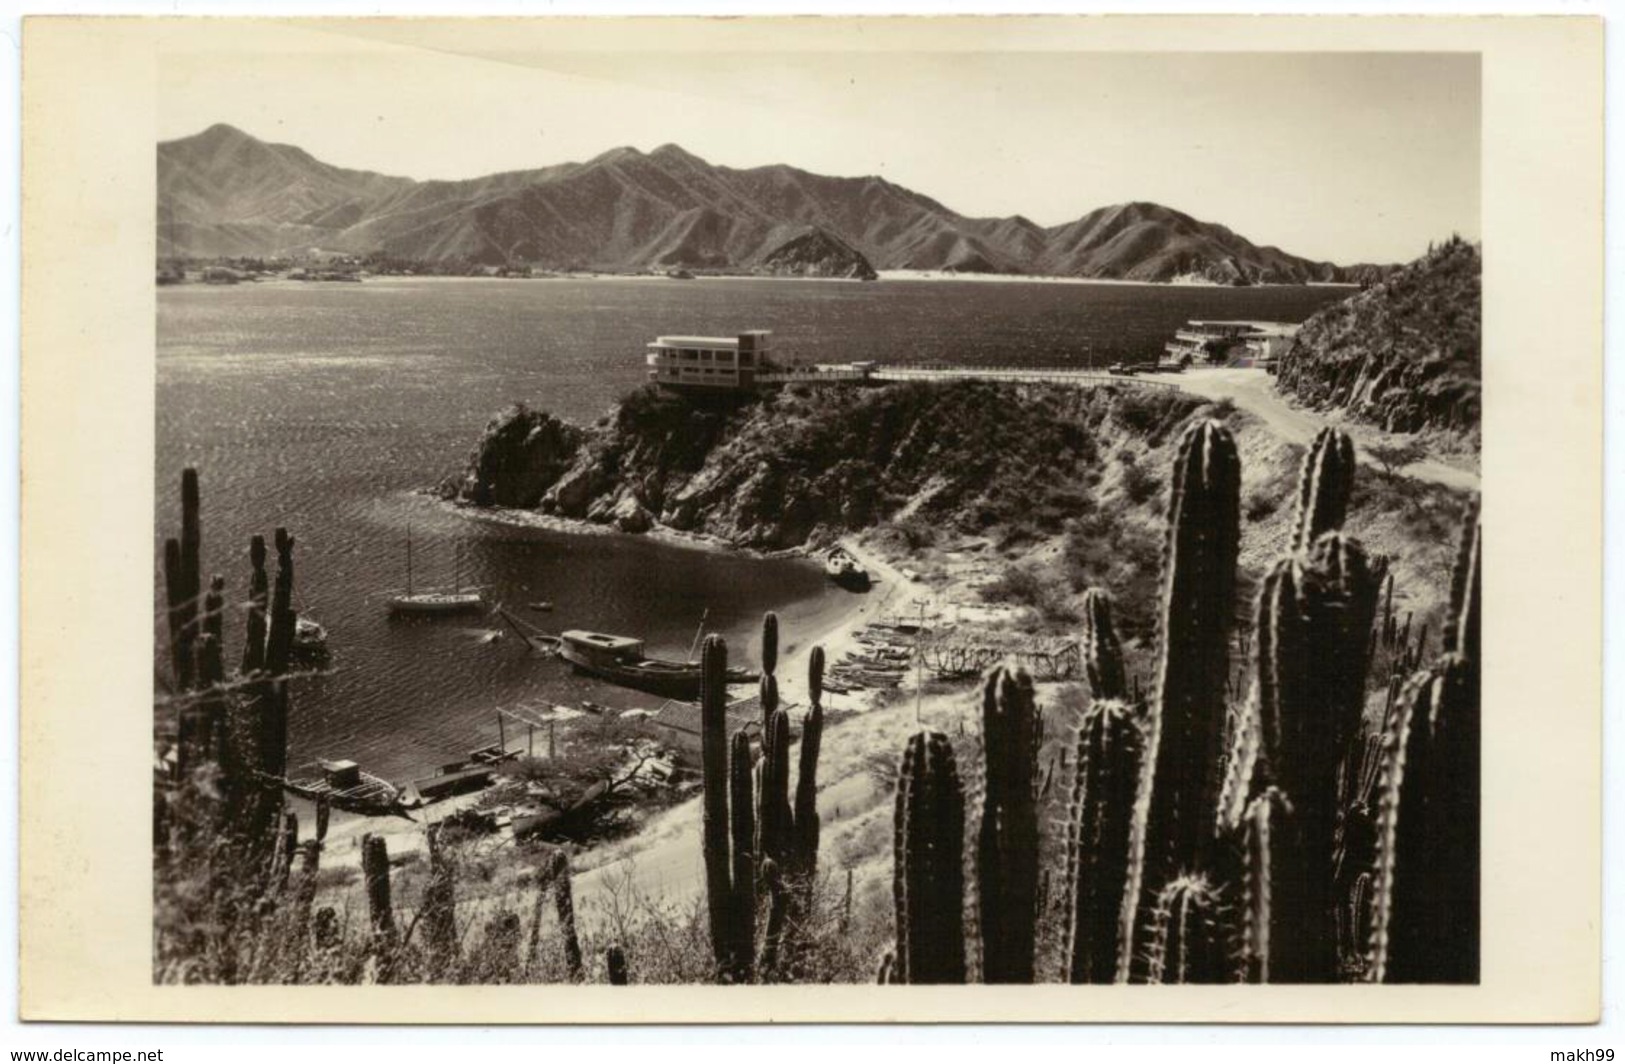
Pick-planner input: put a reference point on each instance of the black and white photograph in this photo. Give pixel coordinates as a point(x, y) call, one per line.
point(769, 518)
point(657, 520)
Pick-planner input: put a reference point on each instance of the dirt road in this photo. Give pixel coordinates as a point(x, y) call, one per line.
point(1254, 391)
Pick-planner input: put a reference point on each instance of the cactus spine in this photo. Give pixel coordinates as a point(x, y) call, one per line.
point(1102, 654)
point(1007, 839)
point(1175, 811)
point(928, 864)
point(1109, 750)
point(1324, 487)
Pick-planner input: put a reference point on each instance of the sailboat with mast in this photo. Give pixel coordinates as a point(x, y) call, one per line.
point(455, 599)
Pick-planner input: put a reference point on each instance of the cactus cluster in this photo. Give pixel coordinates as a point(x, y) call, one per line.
point(212, 808)
point(760, 847)
point(1219, 831)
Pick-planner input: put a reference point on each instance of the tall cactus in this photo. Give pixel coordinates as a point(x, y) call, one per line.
point(1187, 934)
point(191, 559)
point(1109, 750)
point(769, 684)
point(273, 730)
point(804, 848)
point(1315, 617)
point(615, 965)
point(770, 642)
point(282, 858)
point(928, 884)
point(564, 909)
point(1007, 838)
point(1466, 593)
point(778, 919)
point(279, 642)
point(1176, 809)
point(774, 824)
point(183, 583)
point(375, 873)
point(1324, 487)
point(1279, 927)
point(180, 635)
point(214, 611)
point(1102, 653)
point(715, 824)
point(743, 828)
point(258, 601)
point(1426, 893)
point(439, 909)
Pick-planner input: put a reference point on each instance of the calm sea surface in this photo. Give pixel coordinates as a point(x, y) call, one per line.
point(322, 407)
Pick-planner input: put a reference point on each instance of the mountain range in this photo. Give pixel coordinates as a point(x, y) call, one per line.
point(224, 193)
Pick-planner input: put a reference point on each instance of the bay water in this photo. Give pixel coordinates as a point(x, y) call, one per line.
point(327, 408)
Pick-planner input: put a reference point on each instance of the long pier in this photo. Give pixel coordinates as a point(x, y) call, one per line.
point(836, 374)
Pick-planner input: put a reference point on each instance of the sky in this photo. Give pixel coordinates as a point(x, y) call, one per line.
point(1348, 157)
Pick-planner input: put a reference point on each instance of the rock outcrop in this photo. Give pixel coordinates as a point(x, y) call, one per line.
point(521, 453)
point(786, 470)
point(1404, 354)
point(816, 253)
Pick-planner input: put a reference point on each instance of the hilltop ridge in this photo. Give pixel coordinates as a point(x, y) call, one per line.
point(225, 193)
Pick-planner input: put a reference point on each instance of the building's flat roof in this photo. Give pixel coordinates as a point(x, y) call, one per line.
point(698, 341)
point(1262, 326)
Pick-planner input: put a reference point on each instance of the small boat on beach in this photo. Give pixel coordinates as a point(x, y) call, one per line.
point(455, 599)
point(345, 787)
point(841, 567)
point(621, 659)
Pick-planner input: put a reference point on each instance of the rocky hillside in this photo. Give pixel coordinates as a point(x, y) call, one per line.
point(225, 193)
point(1404, 354)
point(801, 467)
point(816, 254)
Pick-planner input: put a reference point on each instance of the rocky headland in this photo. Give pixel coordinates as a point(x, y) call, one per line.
point(1404, 354)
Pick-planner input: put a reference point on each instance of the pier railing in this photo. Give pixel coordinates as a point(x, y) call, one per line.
point(1013, 374)
point(1016, 374)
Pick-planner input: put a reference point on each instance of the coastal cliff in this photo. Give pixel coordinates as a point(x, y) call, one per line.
point(1404, 354)
point(801, 467)
point(1025, 494)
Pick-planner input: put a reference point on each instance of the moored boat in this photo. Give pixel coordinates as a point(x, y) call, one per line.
point(841, 567)
point(309, 638)
point(455, 599)
point(621, 659)
point(344, 786)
